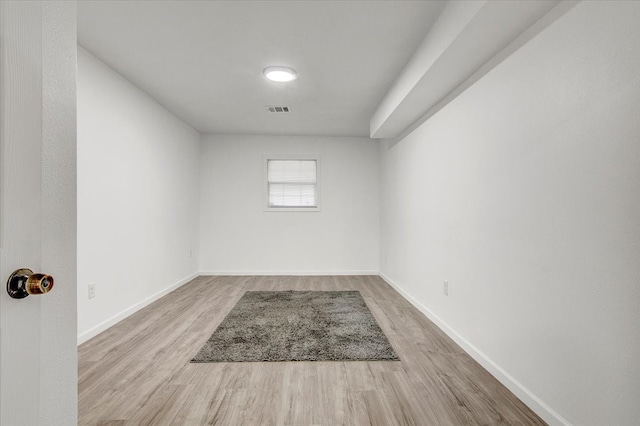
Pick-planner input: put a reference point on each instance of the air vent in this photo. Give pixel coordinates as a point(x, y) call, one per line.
point(278, 108)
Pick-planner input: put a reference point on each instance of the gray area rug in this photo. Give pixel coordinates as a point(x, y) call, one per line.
point(298, 326)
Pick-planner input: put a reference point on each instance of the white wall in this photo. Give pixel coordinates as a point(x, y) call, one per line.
point(238, 237)
point(524, 193)
point(138, 184)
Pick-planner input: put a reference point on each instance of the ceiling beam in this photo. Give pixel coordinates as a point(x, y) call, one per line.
point(467, 41)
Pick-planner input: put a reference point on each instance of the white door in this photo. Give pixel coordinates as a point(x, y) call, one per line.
point(37, 211)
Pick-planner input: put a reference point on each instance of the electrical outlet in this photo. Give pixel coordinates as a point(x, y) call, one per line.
point(446, 288)
point(92, 290)
point(190, 253)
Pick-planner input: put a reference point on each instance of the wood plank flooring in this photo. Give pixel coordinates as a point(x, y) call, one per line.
point(138, 372)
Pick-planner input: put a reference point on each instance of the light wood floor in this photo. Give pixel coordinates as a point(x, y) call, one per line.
point(138, 372)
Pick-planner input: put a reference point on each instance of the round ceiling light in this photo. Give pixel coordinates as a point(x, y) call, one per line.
point(280, 74)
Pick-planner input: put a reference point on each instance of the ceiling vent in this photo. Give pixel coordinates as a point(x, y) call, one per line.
point(278, 108)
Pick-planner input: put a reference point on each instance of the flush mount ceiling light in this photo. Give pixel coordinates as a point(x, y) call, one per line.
point(280, 74)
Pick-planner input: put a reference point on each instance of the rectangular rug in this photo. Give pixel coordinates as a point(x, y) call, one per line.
point(298, 326)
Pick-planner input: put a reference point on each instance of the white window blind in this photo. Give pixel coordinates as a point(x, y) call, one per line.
point(292, 183)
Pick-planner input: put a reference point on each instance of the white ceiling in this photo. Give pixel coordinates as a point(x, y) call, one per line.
point(203, 60)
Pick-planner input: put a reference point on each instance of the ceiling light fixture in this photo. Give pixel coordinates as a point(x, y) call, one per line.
point(280, 74)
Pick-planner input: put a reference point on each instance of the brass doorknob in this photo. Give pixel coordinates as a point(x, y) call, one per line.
point(23, 282)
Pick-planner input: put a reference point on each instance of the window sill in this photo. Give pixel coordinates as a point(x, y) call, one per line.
point(291, 209)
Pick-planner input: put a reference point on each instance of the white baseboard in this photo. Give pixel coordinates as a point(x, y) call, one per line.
point(285, 273)
point(529, 398)
point(94, 331)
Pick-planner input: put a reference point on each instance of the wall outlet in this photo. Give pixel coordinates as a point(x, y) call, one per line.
point(92, 290)
point(190, 253)
point(446, 288)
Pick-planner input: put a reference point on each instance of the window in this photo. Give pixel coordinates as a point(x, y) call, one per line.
point(292, 184)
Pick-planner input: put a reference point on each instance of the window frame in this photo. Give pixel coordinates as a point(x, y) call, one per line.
point(265, 182)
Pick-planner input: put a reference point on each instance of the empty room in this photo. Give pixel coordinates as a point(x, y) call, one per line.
point(320, 212)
